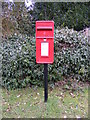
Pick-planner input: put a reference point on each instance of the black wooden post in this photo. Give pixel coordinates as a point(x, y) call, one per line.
point(45, 82)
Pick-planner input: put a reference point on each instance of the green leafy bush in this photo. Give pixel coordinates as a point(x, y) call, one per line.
point(71, 51)
point(19, 67)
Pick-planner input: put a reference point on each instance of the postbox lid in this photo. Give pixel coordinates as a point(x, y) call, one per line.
point(45, 21)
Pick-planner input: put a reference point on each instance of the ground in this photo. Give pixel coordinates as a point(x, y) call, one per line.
point(29, 103)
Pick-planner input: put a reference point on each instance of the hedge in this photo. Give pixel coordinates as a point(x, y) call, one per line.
point(19, 67)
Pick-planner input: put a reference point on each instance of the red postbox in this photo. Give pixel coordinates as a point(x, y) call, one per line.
point(44, 41)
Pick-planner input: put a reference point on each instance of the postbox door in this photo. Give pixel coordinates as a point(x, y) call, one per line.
point(45, 50)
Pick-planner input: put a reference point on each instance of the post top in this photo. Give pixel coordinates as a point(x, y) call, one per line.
point(45, 21)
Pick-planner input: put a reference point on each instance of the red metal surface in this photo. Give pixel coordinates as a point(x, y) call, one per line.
point(45, 34)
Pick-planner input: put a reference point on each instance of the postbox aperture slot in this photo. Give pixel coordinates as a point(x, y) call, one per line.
point(45, 28)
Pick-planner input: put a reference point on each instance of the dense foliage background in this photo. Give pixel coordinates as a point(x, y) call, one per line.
point(70, 59)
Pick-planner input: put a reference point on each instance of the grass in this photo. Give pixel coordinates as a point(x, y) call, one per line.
point(29, 103)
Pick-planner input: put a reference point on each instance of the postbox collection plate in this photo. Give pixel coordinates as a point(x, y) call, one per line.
point(44, 41)
point(44, 49)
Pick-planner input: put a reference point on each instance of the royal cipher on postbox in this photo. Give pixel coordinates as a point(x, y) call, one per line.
point(44, 41)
